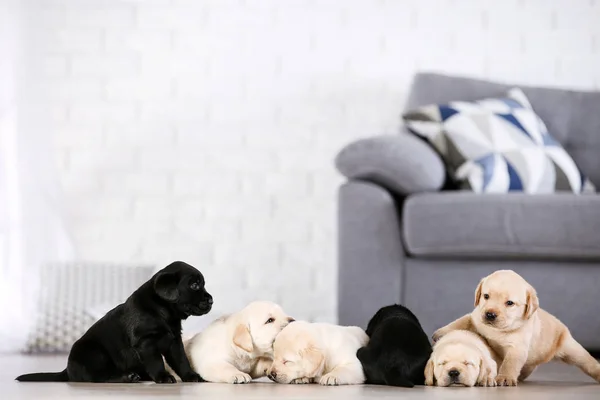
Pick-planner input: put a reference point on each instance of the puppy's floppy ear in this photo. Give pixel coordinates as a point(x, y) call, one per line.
point(242, 338)
point(315, 357)
point(429, 375)
point(532, 304)
point(478, 292)
point(362, 354)
point(165, 285)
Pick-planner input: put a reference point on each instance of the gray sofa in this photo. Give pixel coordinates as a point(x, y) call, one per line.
point(405, 237)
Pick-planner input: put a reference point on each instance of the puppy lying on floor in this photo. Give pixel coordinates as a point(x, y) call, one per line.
point(398, 348)
point(129, 342)
point(508, 316)
point(238, 347)
point(461, 358)
point(317, 352)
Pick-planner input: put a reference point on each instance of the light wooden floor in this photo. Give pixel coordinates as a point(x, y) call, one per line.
point(552, 381)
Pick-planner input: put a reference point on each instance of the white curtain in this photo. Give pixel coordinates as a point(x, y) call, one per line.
point(32, 230)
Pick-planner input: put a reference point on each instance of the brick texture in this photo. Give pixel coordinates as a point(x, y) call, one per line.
point(205, 130)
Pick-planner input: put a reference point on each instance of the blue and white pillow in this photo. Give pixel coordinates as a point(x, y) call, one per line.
point(498, 145)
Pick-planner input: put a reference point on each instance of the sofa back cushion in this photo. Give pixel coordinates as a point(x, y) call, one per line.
point(572, 117)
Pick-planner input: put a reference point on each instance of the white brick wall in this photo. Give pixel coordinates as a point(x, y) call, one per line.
point(205, 130)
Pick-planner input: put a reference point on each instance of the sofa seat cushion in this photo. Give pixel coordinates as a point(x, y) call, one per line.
point(462, 224)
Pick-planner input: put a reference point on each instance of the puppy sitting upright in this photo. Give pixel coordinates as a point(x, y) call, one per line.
point(238, 347)
point(398, 348)
point(507, 314)
point(129, 342)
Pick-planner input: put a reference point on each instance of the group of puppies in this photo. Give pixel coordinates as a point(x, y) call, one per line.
point(504, 339)
point(499, 343)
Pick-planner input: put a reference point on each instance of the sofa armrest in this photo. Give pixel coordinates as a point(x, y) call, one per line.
point(370, 252)
point(402, 163)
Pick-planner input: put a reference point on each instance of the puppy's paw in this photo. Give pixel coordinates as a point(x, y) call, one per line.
point(192, 377)
point(240, 378)
point(505, 380)
point(489, 381)
point(437, 335)
point(330, 380)
point(301, 381)
point(132, 377)
point(165, 378)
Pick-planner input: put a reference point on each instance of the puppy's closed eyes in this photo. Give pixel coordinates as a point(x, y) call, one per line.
point(324, 353)
point(461, 358)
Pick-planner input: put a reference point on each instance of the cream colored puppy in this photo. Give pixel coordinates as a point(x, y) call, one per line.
point(508, 316)
point(318, 352)
point(461, 358)
point(238, 347)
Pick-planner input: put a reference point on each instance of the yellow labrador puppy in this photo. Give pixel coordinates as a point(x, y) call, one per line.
point(461, 358)
point(508, 316)
point(317, 352)
point(238, 347)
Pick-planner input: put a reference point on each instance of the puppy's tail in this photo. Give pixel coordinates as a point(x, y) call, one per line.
point(45, 377)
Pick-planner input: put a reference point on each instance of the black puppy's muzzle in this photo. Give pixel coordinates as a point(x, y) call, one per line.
point(207, 303)
point(202, 307)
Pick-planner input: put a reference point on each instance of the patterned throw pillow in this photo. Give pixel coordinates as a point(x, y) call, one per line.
point(497, 145)
point(74, 296)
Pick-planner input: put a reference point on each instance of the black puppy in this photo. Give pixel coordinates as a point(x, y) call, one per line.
point(398, 348)
point(129, 342)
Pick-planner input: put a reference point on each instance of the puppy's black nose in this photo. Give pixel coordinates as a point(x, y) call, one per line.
point(453, 373)
point(210, 300)
point(272, 375)
point(490, 316)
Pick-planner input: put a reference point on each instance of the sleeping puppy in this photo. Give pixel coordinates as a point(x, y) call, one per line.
point(461, 358)
point(508, 316)
point(238, 347)
point(318, 352)
point(129, 342)
point(398, 348)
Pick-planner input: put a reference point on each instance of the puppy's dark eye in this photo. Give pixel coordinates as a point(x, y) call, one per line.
point(510, 303)
point(486, 296)
point(270, 321)
point(195, 286)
